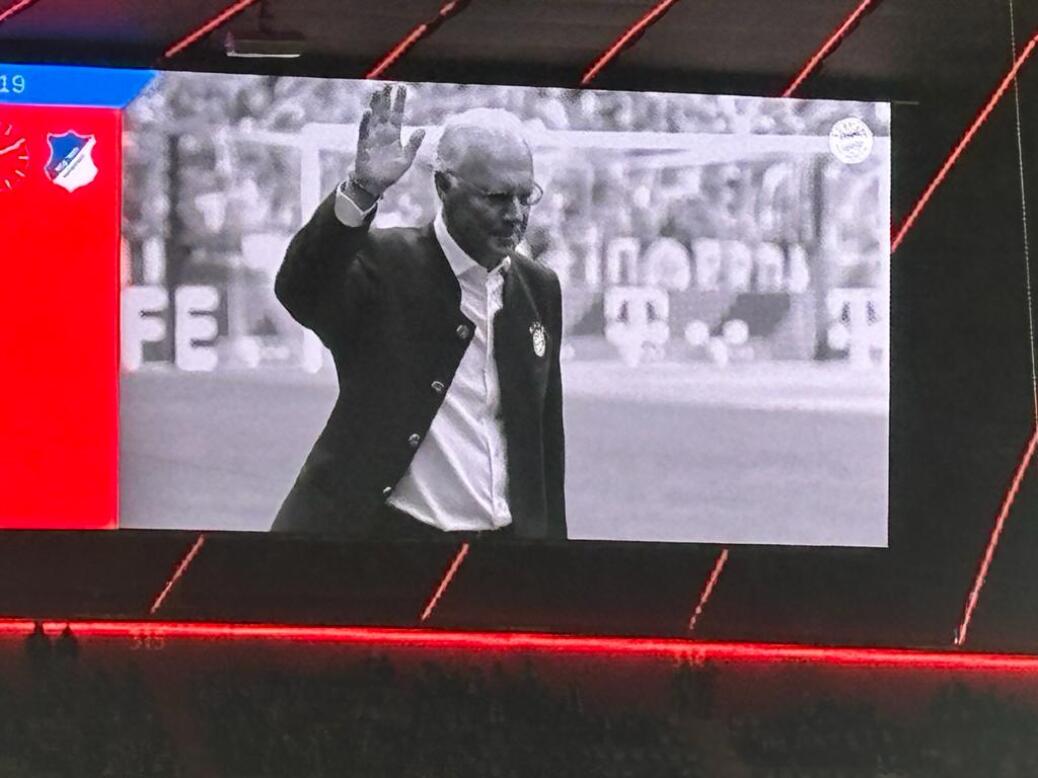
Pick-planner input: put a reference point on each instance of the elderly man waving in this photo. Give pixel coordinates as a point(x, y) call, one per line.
point(445, 340)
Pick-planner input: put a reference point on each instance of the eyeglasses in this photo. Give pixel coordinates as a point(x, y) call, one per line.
point(501, 199)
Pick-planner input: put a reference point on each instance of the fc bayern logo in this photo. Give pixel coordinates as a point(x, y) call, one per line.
point(850, 140)
point(539, 338)
point(71, 164)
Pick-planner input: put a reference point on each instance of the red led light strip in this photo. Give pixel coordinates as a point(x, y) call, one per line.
point(21, 5)
point(177, 573)
point(711, 582)
point(423, 30)
point(628, 38)
point(445, 582)
point(996, 533)
point(899, 234)
point(829, 46)
point(224, 15)
point(529, 641)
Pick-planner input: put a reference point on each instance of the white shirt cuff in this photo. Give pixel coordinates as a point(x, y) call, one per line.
point(347, 211)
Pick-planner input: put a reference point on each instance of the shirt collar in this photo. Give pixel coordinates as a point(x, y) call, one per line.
point(458, 259)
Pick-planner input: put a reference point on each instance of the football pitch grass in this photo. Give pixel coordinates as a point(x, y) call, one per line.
point(654, 454)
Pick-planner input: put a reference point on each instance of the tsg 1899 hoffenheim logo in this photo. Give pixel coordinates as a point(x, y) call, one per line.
point(850, 140)
point(71, 164)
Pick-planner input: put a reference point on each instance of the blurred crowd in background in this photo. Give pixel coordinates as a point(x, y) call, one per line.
point(715, 247)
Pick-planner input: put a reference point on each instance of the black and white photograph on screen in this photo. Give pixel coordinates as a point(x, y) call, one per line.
point(417, 311)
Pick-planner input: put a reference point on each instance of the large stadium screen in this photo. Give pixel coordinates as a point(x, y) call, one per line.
point(422, 310)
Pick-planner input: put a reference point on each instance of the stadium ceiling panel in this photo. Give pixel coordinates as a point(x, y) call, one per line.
point(894, 42)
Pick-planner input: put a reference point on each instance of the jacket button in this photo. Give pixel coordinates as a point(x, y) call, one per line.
point(463, 331)
point(438, 387)
point(414, 440)
point(387, 491)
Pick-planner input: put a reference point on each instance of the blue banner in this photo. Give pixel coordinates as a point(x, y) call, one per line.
point(65, 85)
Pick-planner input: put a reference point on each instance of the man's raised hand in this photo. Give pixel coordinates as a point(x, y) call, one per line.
point(381, 156)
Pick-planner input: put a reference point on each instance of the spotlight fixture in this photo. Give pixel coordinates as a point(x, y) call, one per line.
point(264, 42)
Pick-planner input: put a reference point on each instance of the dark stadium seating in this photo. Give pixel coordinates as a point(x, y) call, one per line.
point(62, 714)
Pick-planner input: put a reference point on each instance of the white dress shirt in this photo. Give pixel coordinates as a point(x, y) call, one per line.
point(458, 479)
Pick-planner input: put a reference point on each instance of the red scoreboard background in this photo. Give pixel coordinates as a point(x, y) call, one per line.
point(60, 201)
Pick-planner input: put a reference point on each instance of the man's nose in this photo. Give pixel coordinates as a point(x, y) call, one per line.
point(514, 210)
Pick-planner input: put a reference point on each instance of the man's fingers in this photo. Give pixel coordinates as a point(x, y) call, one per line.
point(380, 103)
point(411, 149)
point(376, 96)
point(399, 96)
point(365, 124)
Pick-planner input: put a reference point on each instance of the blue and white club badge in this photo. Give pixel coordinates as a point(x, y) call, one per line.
point(540, 342)
point(71, 164)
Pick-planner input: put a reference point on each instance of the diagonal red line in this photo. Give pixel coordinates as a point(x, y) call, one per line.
point(423, 30)
point(226, 14)
point(708, 589)
point(626, 39)
point(949, 163)
point(996, 534)
point(445, 581)
point(177, 573)
point(18, 7)
point(828, 46)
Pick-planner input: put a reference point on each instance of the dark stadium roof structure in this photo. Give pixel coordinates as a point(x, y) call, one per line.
point(898, 45)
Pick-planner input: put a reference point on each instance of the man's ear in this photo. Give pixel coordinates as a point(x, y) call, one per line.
point(442, 183)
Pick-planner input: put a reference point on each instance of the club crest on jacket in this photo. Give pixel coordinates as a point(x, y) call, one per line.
point(539, 340)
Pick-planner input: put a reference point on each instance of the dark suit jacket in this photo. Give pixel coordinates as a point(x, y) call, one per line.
point(387, 305)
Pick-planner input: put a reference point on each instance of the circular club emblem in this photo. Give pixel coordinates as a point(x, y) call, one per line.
point(850, 140)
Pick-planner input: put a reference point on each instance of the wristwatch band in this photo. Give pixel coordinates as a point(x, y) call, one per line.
point(352, 180)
